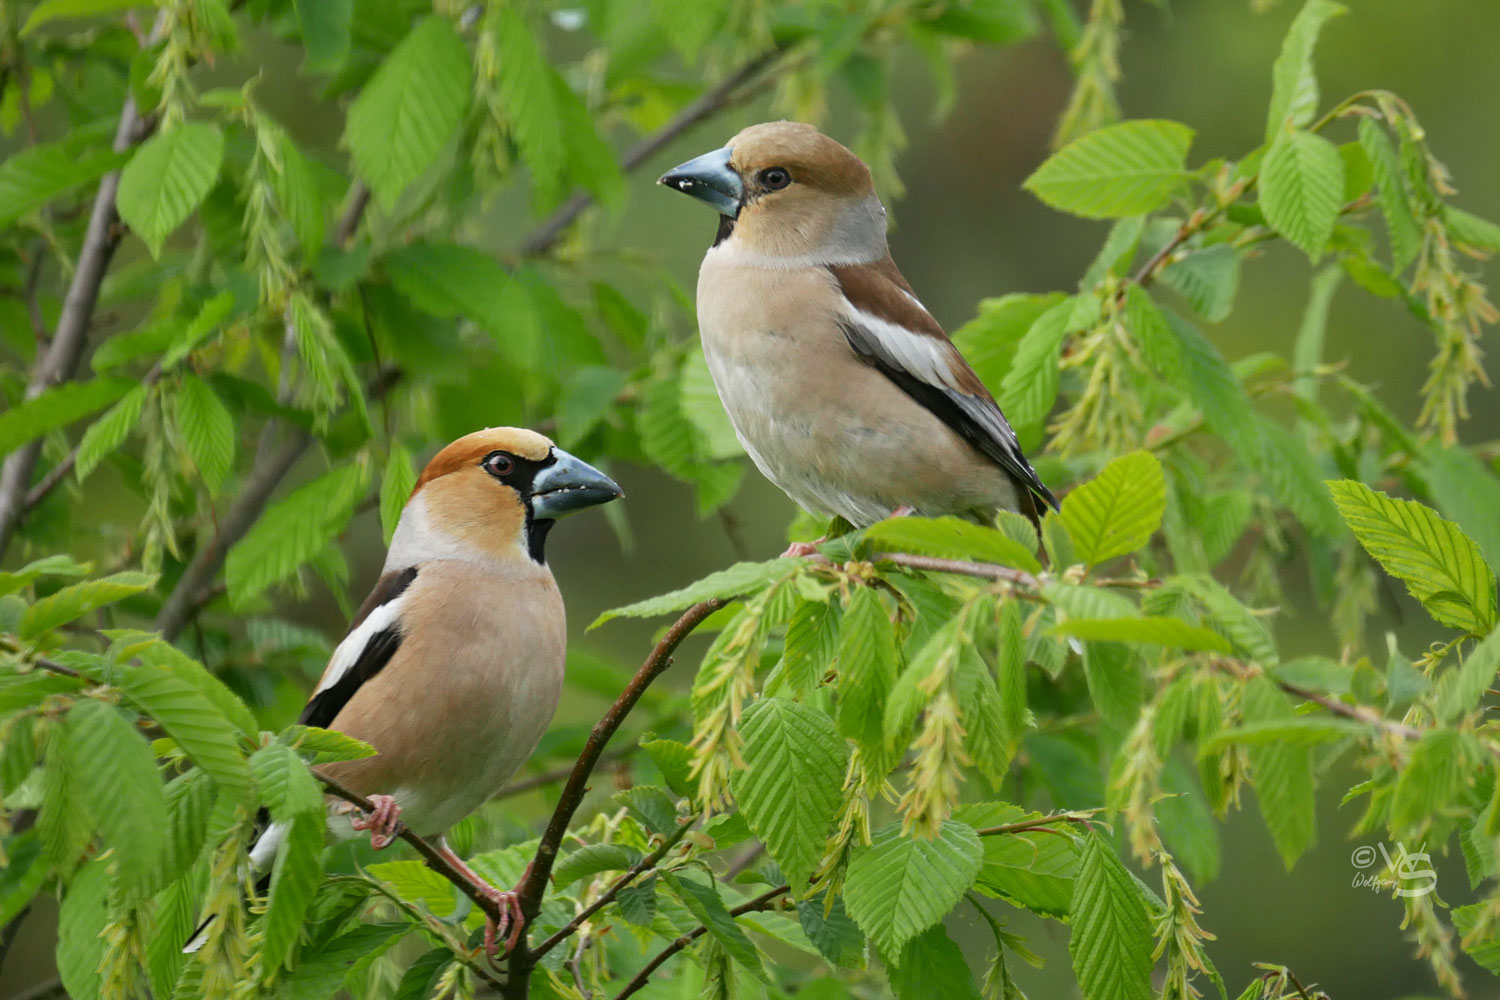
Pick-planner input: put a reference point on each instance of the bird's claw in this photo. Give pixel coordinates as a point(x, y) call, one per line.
point(797, 550)
point(508, 926)
point(383, 821)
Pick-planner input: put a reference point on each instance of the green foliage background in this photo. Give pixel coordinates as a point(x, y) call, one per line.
point(255, 331)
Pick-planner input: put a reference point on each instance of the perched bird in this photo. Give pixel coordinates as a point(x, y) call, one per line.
point(844, 390)
point(453, 665)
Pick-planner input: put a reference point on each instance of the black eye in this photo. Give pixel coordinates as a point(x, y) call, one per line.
point(775, 178)
point(499, 464)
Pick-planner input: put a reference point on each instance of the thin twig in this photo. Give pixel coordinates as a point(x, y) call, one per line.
point(545, 235)
point(550, 777)
point(608, 896)
point(761, 902)
point(534, 885)
point(988, 571)
point(60, 362)
point(1079, 816)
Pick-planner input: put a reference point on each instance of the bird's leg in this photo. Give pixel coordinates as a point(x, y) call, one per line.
point(905, 510)
point(511, 920)
point(383, 822)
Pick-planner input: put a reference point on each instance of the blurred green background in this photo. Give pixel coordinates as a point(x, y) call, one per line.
point(964, 231)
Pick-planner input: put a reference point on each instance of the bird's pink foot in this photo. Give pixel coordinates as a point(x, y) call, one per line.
point(508, 925)
point(383, 822)
point(797, 550)
point(905, 510)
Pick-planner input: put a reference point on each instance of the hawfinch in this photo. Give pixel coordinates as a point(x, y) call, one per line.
point(453, 665)
point(844, 390)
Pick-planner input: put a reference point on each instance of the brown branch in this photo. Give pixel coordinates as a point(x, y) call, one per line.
point(534, 885)
point(424, 847)
point(547, 234)
point(359, 200)
point(988, 571)
point(1359, 713)
point(761, 902)
point(1080, 816)
point(608, 896)
point(60, 362)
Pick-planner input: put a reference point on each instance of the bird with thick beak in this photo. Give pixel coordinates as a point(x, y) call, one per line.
point(453, 665)
point(844, 390)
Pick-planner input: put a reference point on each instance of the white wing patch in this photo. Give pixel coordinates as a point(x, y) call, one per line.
point(348, 652)
point(922, 355)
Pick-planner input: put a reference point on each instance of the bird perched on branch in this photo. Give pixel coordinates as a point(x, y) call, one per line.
point(844, 390)
point(453, 665)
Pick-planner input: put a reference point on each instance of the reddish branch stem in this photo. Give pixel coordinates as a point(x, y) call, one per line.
point(523, 959)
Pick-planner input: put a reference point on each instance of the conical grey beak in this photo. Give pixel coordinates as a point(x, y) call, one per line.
point(709, 178)
point(569, 485)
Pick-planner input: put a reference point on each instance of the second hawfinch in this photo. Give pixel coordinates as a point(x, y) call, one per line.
point(844, 390)
point(453, 665)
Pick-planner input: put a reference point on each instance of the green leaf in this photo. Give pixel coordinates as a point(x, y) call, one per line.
point(932, 967)
point(653, 807)
point(34, 176)
point(1282, 772)
point(208, 738)
point(591, 859)
point(792, 784)
point(295, 875)
point(79, 599)
point(739, 580)
point(1208, 279)
point(1479, 940)
point(948, 538)
point(410, 109)
point(1440, 565)
point(446, 280)
point(675, 761)
point(80, 930)
point(292, 531)
point(324, 25)
point(1294, 84)
point(899, 886)
point(637, 901)
point(1034, 871)
point(1171, 632)
point(1111, 943)
point(1118, 170)
point(207, 431)
point(122, 785)
point(167, 178)
point(1301, 184)
point(526, 90)
point(1295, 730)
point(285, 785)
point(867, 660)
point(395, 487)
point(989, 341)
point(1461, 689)
point(190, 800)
point(1227, 614)
point(1119, 510)
point(701, 406)
point(1464, 227)
point(57, 407)
point(325, 746)
point(703, 902)
point(1401, 224)
point(1189, 360)
point(587, 398)
point(1439, 769)
point(1030, 385)
point(810, 645)
point(832, 932)
point(1466, 489)
point(109, 431)
point(295, 186)
point(414, 882)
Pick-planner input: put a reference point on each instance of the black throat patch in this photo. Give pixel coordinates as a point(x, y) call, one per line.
point(726, 229)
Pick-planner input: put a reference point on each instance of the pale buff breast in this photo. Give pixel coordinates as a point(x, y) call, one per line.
point(832, 431)
point(476, 679)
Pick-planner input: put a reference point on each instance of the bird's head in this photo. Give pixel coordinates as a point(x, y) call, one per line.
point(495, 493)
point(786, 190)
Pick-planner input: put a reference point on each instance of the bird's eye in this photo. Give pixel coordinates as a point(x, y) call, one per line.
point(499, 464)
point(775, 178)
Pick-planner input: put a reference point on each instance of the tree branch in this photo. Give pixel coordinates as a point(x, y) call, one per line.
point(60, 362)
point(761, 902)
point(424, 847)
point(534, 885)
point(545, 235)
point(987, 571)
point(608, 896)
